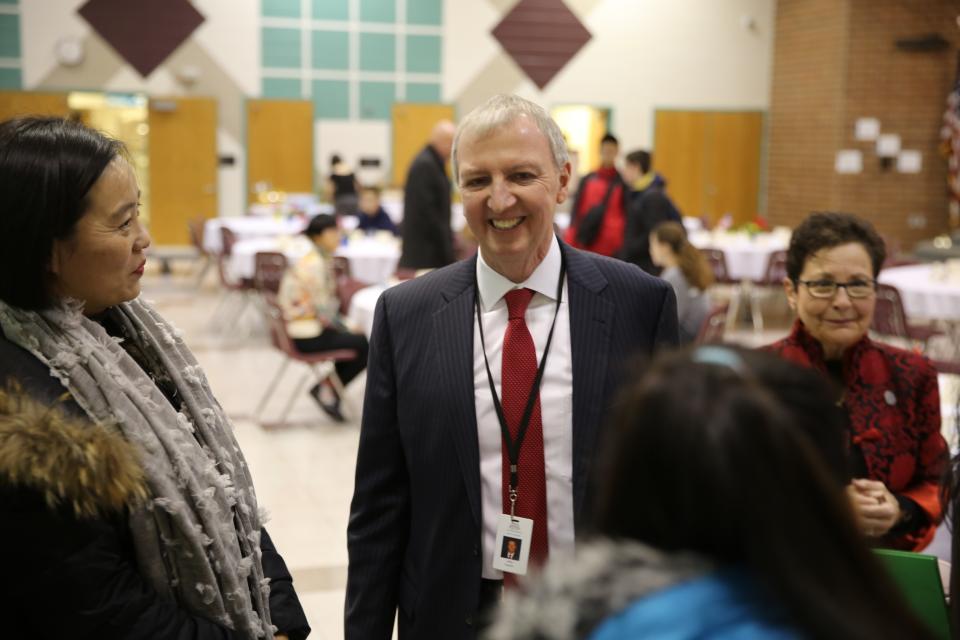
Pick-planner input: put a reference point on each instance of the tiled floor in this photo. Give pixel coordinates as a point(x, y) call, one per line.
point(303, 473)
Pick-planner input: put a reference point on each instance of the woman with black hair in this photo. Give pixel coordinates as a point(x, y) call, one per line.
point(127, 507)
point(717, 518)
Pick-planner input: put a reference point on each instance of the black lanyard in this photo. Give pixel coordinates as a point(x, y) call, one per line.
point(513, 446)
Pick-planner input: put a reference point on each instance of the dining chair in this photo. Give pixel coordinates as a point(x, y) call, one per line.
point(320, 363)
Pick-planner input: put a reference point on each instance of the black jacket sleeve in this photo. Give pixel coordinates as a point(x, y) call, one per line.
point(71, 578)
point(285, 610)
point(380, 509)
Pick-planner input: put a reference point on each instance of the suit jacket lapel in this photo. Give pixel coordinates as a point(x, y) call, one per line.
point(453, 326)
point(591, 318)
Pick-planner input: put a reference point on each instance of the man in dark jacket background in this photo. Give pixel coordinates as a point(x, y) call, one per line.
point(425, 232)
point(647, 206)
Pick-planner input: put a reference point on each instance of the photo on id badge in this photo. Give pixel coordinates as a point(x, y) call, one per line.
point(513, 541)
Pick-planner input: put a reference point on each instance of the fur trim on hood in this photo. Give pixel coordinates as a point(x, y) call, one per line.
point(570, 599)
point(67, 460)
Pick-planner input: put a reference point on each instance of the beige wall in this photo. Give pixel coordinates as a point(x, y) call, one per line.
point(693, 54)
point(687, 54)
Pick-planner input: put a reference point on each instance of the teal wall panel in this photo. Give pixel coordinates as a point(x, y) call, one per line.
point(281, 47)
point(331, 50)
point(376, 100)
point(331, 99)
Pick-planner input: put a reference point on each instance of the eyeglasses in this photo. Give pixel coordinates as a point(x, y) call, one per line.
point(828, 288)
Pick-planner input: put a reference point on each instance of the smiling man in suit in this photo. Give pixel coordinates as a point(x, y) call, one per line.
point(488, 383)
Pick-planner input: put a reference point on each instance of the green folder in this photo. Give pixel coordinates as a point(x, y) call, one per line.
point(918, 575)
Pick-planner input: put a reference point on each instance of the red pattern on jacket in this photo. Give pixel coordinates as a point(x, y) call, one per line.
point(610, 237)
point(901, 442)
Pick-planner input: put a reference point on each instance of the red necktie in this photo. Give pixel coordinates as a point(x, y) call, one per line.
point(519, 369)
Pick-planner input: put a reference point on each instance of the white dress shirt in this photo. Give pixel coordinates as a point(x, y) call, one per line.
point(556, 400)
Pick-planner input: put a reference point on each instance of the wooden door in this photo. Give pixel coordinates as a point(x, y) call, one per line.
point(711, 160)
point(679, 154)
point(182, 151)
point(735, 140)
point(280, 145)
point(29, 103)
point(412, 124)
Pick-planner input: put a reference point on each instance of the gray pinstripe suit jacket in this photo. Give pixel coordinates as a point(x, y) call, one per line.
point(415, 520)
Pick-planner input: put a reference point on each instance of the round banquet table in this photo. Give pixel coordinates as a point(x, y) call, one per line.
point(242, 261)
point(930, 291)
point(372, 259)
point(247, 228)
point(746, 255)
point(362, 306)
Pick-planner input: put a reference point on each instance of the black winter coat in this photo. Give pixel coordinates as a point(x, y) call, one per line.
point(75, 576)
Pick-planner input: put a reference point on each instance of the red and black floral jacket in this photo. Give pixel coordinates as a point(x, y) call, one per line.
point(893, 404)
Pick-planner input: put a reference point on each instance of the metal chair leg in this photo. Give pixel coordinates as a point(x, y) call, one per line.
point(756, 314)
point(269, 392)
point(734, 307)
point(293, 398)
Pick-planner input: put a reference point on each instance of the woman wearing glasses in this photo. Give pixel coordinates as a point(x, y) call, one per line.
point(889, 396)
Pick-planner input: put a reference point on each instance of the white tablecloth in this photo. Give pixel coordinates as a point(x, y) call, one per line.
point(746, 255)
point(248, 227)
point(242, 262)
point(371, 260)
point(362, 306)
point(929, 291)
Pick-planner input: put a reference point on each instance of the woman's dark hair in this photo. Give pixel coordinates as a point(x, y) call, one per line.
point(706, 455)
point(695, 268)
point(320, 223)
point(824, 230)
point(47, 167)
point(335, 159)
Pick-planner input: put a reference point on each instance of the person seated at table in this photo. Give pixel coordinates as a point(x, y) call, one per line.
point(127, 509)
point(890, 396)
point(311, 309)
point(373, 217)
point(647, 206)
point(687, 271)
point(751, 537)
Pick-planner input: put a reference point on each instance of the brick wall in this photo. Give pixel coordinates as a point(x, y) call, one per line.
point(836, 61)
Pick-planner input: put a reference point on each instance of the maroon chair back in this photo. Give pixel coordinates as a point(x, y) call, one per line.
point(341, 267)
point(711, 331)
point(346, 287)
point(229, 238)
point(269, 267)
point(279, 337)
point(718, 263)
point(889, 317)
point(776, 269)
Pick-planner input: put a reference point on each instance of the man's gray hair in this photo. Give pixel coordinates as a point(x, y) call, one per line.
point(501, 110)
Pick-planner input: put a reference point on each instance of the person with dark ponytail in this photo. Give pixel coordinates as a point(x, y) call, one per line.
point(720, 514)
point(687, 271)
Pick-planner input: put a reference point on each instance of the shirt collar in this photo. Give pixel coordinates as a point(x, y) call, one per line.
point(543, 280)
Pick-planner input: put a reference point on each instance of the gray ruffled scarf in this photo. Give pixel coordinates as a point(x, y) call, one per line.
point(197, 538)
